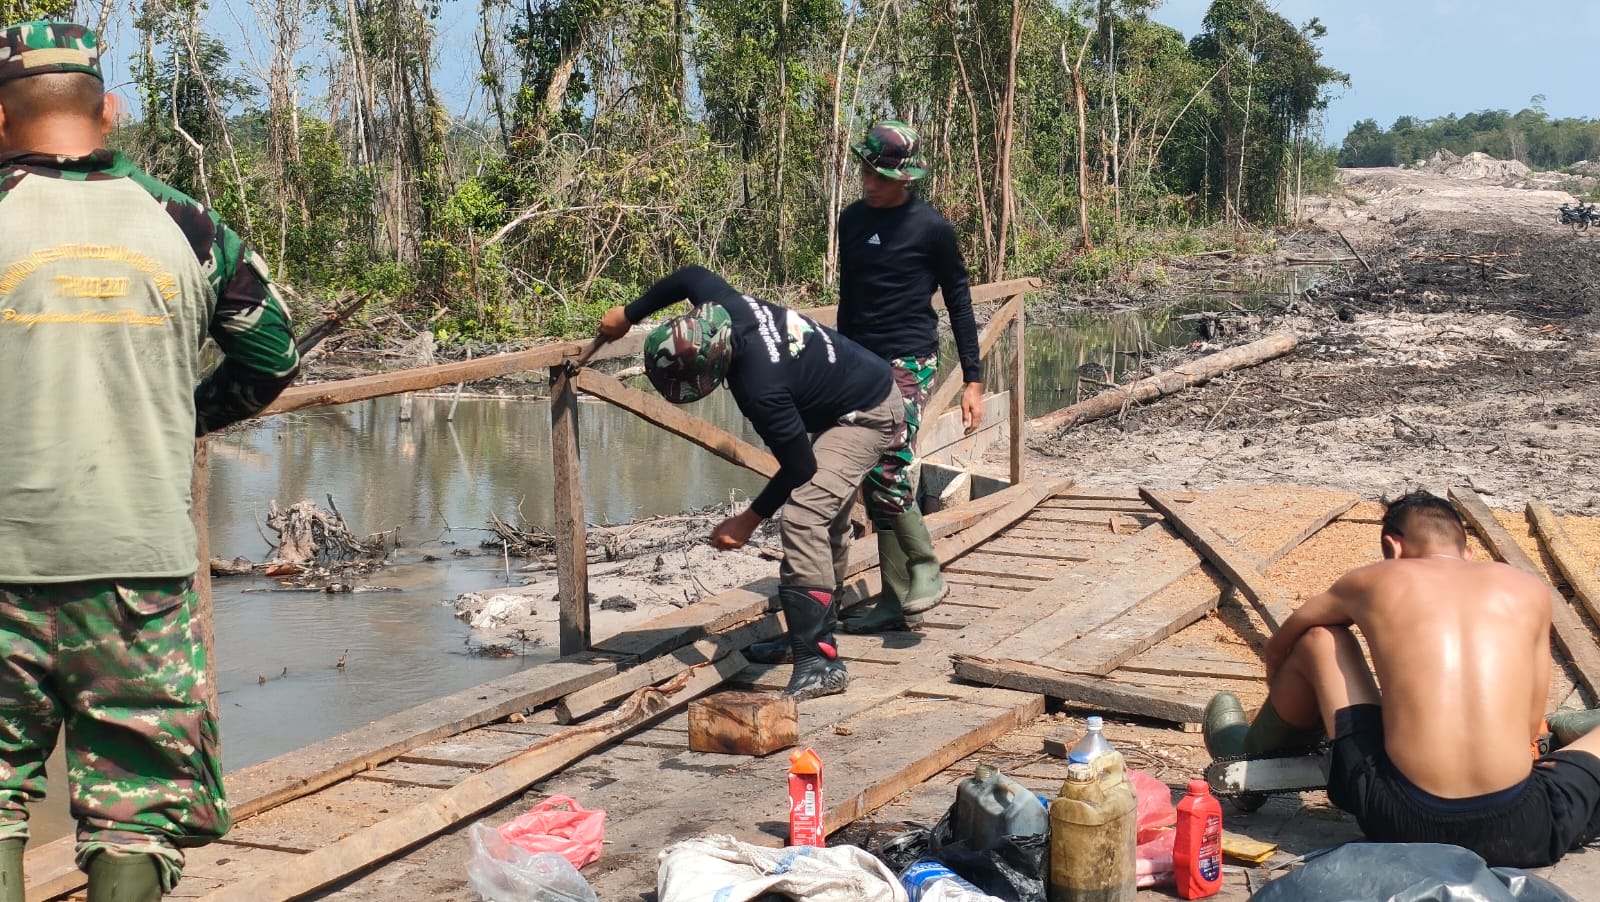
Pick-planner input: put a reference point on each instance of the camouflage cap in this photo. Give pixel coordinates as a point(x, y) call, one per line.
point(890, 148)
point(40, 47)
point(687, 356)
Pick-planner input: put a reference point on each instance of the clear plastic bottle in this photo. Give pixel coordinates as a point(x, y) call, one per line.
point(928, 880)
point(1093, 744)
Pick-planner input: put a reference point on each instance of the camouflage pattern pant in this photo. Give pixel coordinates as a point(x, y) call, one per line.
point(889, 488)
point(122, 663)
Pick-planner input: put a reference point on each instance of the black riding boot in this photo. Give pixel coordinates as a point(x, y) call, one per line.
point(812, 615)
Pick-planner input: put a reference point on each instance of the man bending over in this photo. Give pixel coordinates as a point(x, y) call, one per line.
point(1462, 650)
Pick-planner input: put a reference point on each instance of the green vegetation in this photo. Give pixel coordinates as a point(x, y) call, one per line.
point(1529, 136)
point(1069, 139)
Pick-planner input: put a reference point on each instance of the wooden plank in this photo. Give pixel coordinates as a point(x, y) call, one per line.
point(1019, 386)
point(947, 438)
point(1119, 507)
point(1095, 692)
point(970, 569)
point(1240, 567)
point(324, 394)
point(386, 838)
point(1195, 372)
point(1093, 595)
point(1160, 661)
point(678, 421)
point(572, 560)
point(1091, 518)
point(950, 384)
point(590, 699)
point(1578, 572)
point(1571, 636)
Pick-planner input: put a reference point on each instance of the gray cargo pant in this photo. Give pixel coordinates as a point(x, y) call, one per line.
point(815, 530)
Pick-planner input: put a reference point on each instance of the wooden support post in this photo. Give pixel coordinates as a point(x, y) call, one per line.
point(1019, 383)
point(572, 558)
point(199, 499)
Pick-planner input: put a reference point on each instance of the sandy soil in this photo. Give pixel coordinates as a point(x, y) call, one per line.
point(1465, 356)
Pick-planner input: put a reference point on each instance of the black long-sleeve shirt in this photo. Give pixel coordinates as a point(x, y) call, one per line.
point(789, 375)
point(890, 261)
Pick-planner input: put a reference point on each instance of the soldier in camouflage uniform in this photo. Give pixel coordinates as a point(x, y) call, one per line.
point(793, 379)
point(110, 281)
point(894, 250)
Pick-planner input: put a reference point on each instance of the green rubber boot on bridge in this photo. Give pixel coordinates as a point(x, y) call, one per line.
point(1567, 727)
point(886, 614)
point(124, 878)
point(11, 870)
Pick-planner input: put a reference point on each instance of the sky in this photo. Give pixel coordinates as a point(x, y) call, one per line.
point(1430, 58)
point(1423, 58)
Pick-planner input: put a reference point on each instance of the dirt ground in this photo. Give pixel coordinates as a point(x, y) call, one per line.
point(1459, 350)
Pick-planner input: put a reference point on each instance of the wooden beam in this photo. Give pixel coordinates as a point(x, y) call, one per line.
point(674, 419)
point(950, 384)
point(323, 394)
point(371, 845)
point(586, 701)
point(199, 515)
point(572, 558)
point(1195, 372)
point(1578, 572)
point(1571, 636)
point(1095, 692)
point(1240, 567)
point(1019, 386)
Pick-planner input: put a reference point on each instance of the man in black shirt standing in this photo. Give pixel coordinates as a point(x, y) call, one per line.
point(791, 378)
point(894, 250)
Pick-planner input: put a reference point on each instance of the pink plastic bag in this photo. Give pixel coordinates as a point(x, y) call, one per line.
point(1156, 811)
point(560, 825)
point(1155, 860)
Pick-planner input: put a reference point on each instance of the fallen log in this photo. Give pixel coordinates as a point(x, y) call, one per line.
point(1195, 372)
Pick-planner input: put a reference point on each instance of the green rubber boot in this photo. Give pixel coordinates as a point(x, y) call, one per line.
point(1225, 726)
point(1567, 727)
point(1269, 732)
point(925, 586)
point(124, 878)
point(885, 615)
point(11, 870)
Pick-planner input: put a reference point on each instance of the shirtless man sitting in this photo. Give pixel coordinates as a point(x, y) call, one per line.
point(1462, 650)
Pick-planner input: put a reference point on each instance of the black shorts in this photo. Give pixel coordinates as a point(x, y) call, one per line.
point(1556, 809)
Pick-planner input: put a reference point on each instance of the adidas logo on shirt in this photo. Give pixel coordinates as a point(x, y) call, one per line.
point(874, 239)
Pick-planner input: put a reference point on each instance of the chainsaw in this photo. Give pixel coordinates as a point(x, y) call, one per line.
point(1290, 770)
point(1249, 778)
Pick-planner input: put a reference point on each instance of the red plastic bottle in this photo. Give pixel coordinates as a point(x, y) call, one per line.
point(805, 799)
point(1197, 849)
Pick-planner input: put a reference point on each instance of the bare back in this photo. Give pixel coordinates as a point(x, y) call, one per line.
point(1461, 652)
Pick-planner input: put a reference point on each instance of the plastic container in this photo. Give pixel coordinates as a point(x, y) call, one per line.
point(1197, 850)
point(928, 880)
point(805, 799)
point(1092, 745)
point(1093, 832)
point(991, 806)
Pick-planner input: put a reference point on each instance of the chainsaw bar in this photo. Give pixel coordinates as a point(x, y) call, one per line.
point(1291, 770)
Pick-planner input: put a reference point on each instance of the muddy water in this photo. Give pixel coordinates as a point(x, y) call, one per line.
point(438, 480)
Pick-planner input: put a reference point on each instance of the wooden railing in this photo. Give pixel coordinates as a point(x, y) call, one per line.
point(572, 575)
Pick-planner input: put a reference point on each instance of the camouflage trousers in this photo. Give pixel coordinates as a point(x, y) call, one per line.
point(123, 665)
point(890, 487)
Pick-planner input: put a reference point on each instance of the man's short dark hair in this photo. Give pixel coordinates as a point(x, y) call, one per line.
point(53, 93)
point(1422, 515)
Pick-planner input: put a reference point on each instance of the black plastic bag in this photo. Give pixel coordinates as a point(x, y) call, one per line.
point(1015, 870)
point(898, 845)
point(1407, 872)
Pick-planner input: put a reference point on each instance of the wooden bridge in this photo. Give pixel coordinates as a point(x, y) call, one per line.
point(1108, 600)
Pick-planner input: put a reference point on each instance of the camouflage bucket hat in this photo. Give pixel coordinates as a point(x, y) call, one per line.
point(687, 356)
point(890, 148)
point(39, 48)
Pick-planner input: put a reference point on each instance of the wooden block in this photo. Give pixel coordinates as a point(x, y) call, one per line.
point(1060, 742)
point(743, 723)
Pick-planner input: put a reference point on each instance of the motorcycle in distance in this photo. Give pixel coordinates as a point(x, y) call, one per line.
point(1580, 216)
